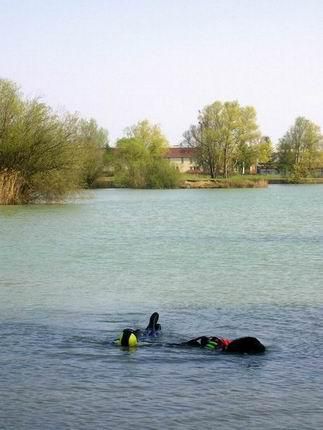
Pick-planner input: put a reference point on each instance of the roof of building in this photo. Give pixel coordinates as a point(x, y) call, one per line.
point(180, 152)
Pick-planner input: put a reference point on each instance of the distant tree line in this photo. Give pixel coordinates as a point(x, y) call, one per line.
point(44, 156)
point(227, 140)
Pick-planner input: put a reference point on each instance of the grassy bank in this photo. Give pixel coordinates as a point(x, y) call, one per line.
point(200, 181)
point(232, 182)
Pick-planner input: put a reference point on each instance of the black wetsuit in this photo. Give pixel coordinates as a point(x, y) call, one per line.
point(243, 345)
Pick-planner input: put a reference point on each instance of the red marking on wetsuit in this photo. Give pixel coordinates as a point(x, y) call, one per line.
point(224, 342)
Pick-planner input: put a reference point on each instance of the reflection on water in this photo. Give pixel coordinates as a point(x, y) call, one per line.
point(214, 262)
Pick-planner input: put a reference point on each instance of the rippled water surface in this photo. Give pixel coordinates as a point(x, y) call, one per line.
point(214, 262)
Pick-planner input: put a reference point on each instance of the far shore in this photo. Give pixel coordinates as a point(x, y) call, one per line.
point(235, 182)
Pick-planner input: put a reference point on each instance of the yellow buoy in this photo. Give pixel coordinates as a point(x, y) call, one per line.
point(132, 341)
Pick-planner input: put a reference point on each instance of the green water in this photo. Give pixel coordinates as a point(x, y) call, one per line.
point(215, 262)
point(185, 247)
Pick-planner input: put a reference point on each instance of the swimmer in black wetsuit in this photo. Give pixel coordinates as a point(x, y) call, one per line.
point(243, 345)
point(130, 337)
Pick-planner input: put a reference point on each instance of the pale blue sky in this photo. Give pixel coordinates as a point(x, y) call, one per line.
point(120, 61)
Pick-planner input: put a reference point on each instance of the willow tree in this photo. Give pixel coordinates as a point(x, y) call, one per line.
point(42, 154)
point(222, 130)
point(300, 149)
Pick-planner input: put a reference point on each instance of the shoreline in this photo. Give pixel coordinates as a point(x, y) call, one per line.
point(107, 182)
point(223, 183)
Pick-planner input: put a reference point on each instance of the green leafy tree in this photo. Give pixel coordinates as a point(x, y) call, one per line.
point(264, 150)
point(254, 152)
point(131, 158)
point(246, 157)
point(221, 136)
point(139, 159)
point(299, 150)
point(150, 136)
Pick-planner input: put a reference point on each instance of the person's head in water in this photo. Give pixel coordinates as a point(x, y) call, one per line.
point(128, 338)
point(246, 345)
point(153, 325)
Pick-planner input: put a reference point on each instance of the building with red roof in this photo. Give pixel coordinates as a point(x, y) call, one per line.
point(182, 158)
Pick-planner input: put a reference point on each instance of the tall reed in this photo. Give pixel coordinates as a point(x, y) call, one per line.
point(12, 187)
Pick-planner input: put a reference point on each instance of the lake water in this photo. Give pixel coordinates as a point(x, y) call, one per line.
point(215, 262)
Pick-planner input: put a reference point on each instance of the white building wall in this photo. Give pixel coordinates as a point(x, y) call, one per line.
point(183, 164)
